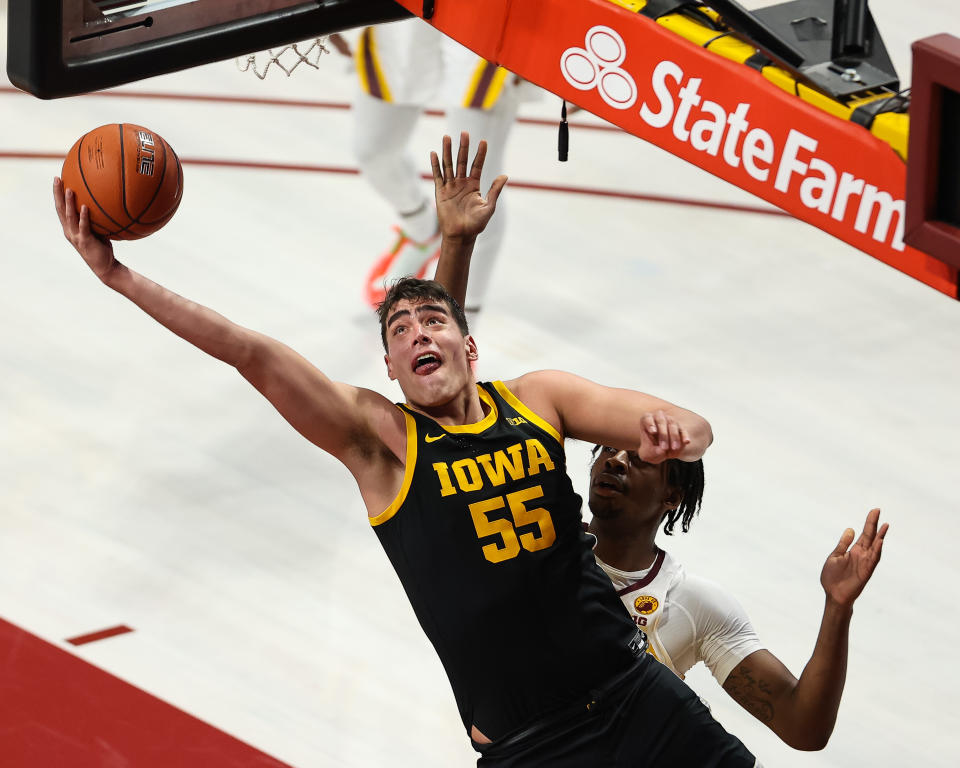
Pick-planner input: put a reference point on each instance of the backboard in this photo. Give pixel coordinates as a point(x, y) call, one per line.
point(65, 47)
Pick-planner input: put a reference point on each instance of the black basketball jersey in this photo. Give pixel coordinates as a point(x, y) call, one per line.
point(486, 538)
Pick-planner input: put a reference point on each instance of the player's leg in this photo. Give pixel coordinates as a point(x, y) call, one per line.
point(398, 70)
point(381, 132)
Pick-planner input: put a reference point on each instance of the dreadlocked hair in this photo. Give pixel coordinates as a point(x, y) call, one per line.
point(687, 477)
point(415, 289)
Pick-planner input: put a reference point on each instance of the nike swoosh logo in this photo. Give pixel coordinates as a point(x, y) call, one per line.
point(432, 439)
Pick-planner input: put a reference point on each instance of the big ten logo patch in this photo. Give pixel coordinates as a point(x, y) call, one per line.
point(597, 65)
point(488, 470)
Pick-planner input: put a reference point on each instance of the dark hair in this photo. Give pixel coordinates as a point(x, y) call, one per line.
point(687, 477)
point(415, 289)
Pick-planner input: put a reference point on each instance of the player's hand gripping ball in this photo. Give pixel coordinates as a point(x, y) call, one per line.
point(129, 178)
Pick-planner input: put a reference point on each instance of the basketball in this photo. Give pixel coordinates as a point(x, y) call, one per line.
point(129, 178)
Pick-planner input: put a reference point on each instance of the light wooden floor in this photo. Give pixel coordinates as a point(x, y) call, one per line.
point(145, 484)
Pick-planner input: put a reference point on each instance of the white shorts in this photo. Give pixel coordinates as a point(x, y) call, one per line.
point(410, 62)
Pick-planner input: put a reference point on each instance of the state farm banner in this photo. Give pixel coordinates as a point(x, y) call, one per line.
point(720, 115)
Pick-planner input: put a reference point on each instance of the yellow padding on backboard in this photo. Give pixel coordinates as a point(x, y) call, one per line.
point(688, 29)
point(631, 5)
point(893, 128)
point(890, 127)
point(820, 101)
point(780, 78)
point(731, 48)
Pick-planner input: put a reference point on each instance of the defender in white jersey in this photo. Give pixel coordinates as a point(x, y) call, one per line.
point(688, 619)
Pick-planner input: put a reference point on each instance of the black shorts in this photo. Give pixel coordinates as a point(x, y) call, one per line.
point(646, 717)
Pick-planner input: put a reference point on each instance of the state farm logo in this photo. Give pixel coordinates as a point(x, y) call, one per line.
point(709, 118)
point(597, 65)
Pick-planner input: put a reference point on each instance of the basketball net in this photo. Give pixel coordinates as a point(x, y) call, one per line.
point(287, 58)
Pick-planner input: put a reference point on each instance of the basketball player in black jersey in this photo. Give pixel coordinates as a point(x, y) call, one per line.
point(466, 488)
point(625, 523)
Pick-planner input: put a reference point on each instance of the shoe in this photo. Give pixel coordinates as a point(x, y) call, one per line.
point(405, 258)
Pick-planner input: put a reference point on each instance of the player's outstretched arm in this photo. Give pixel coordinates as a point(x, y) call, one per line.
point(803, 712)
point(462, 212)
point(330, 414)
point(621, 418)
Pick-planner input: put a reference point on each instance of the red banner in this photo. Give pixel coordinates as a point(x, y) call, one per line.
point(720, 115)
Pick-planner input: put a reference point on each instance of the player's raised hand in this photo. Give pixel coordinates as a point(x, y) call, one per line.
point(664, 437)
point(848, 569)
point(462, 211)
point(96, 251)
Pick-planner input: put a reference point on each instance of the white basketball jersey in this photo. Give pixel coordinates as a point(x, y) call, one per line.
point(687, 619)
point(646, 597)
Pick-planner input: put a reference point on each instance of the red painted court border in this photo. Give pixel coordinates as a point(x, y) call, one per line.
point(532, 185)
point(103, 634)
point(57, 709)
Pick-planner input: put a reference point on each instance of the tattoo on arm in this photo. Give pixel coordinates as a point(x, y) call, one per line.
point(754, 695)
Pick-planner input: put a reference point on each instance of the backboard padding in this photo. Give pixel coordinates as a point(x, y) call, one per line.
point(933, 165)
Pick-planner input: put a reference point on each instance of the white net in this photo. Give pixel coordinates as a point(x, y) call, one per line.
point(286, 59)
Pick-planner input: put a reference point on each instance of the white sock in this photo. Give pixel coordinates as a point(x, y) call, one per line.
point(420, 224)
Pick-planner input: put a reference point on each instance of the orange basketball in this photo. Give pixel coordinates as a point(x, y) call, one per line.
point(129, 178)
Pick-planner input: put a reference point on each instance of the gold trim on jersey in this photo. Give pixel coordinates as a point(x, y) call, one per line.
point(518, 406)
point(369, 69)
point(485, 422)
point(410, 465)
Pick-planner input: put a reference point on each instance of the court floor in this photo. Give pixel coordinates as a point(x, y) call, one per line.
point(148, 486)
